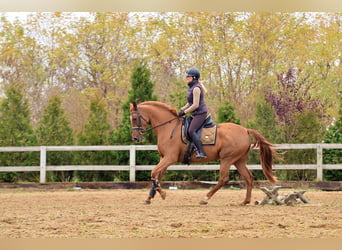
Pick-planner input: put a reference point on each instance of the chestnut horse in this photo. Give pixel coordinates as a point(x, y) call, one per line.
point(232, 147)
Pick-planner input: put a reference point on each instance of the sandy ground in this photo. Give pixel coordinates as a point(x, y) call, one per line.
point(122, 214)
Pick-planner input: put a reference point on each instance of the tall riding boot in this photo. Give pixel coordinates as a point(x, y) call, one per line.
point(196, 140)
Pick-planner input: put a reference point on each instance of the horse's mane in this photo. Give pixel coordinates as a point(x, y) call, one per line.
point(172, 110)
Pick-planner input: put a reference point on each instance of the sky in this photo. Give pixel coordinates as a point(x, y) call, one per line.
point(22, 16)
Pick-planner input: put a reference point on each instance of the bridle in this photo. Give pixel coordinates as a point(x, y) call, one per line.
point(142, 130)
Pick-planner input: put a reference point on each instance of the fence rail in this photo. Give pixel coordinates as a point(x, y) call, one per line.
point(132, 167)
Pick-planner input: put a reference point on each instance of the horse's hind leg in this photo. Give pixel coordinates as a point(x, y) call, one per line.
point(247, 175)
point(223, 179)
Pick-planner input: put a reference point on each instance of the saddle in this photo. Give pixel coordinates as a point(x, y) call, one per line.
point(207, 133)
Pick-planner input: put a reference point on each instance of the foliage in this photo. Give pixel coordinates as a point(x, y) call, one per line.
point(240, 56)
point(95, 133)
point(16, 130)
point(292, 101)
point(178, 96)
point(265, 122)
point(334, 156)
point(299, 117)
point(226, 113)
point(54, 130)
point(141, 90)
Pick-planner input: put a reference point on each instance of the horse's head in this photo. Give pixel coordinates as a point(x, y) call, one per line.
point(138, 122)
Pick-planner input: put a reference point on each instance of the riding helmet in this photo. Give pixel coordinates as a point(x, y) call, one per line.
point(194, 73)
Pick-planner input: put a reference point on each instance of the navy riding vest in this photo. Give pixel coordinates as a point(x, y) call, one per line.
point(202, 108)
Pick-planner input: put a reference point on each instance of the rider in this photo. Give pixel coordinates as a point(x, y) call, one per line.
point(196, 106)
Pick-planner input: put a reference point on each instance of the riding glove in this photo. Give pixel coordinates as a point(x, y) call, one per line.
point(181, 113)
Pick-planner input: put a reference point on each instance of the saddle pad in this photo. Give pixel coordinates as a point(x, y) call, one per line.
point(208, 136)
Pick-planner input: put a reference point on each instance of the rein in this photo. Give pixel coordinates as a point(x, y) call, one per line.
point(142, 131)
point(162, 124)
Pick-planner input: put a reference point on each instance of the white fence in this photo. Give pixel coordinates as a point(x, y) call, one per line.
point(132, 167)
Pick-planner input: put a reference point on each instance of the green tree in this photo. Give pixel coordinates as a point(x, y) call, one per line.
point(266, 123)
point(95, 133)
point(141, 90)
point(308, 127)
point(334, 156)
point(226, 113)
point(16, 130)
point(54, 130)
point(239, 54)
point(177, 96)
point(96, 130)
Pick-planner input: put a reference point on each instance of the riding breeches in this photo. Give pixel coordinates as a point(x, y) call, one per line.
point(196, 122)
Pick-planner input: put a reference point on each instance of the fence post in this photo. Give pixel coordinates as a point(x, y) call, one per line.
point(132, 163)
point(319, 162)
point(42, 164)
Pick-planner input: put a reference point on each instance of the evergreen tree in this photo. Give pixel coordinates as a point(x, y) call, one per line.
point(54, 130)
point(142, 86)
point(96, 130)
point(334, 156)
point(95, 133)
point(308, 127)
point(266, 123)
point(16, 130)
point(177, 97)
point(226, 113)
point(141, 90)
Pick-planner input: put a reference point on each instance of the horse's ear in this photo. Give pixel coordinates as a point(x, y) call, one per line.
point(134, 105)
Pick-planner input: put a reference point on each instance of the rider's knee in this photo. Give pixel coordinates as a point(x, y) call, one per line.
point(192, 133)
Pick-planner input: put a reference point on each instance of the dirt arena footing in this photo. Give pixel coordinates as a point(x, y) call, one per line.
point(319, 185)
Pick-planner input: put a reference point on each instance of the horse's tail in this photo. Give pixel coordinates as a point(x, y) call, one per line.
point(266, 154)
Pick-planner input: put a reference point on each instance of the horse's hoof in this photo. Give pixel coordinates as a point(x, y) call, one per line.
point(163, 195)
point(147, 202)
point(203, 203)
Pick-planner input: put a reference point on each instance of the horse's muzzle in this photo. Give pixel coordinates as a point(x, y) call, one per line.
point(135, 139)
point(138, 138)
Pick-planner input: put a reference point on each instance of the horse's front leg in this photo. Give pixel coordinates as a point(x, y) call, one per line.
point(154, 189)
point(156, 176)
